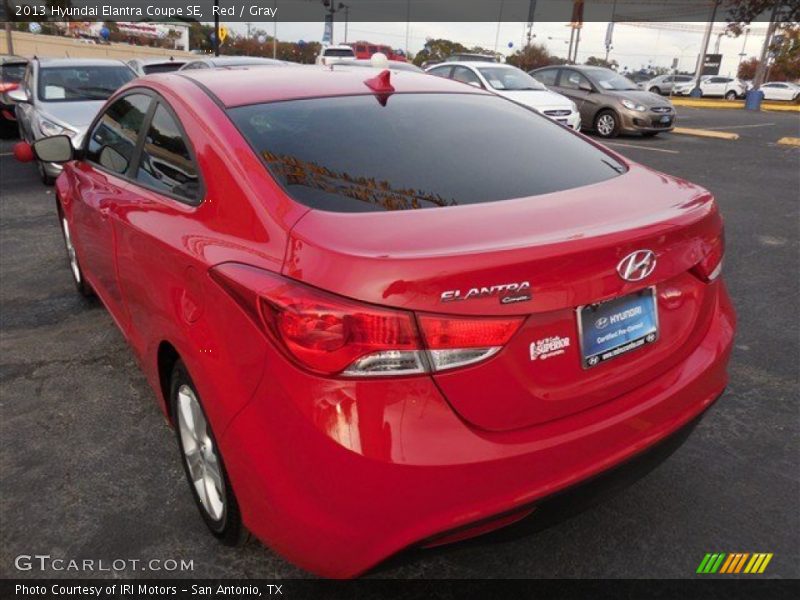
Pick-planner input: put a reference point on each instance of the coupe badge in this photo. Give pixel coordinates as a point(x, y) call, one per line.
point(637, 265)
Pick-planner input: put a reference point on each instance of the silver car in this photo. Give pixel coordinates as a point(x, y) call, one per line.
point(61, 96)
point(664, 84)
point(149, 66)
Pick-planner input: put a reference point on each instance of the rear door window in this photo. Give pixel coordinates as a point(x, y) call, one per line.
point(354, 154)
point(167, 164)
point(465, 75)
point(547, 77)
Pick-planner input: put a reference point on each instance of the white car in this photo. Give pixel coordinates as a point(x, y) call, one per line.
point(330, 54)
point(515, 84)
point(713, 85)
point(781, 90)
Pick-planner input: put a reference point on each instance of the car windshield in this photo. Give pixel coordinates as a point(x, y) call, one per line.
point(503, 78)
point(410, 151)
point(608, 80)
point(72, 84)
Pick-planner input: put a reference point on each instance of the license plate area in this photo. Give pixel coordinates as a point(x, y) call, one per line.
point(666, 119)
point(615, 327)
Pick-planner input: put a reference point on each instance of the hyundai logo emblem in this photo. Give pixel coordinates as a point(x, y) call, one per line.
point(637, 265)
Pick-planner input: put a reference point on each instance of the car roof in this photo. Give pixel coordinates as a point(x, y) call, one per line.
point(222, 61)
point(12, 58)
point(161, 60)
point(478, 64)
point(238, 87)
point(80, 62)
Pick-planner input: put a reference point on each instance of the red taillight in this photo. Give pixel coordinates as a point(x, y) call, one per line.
point(711, 266)
point(443, 333)
point(332, 335)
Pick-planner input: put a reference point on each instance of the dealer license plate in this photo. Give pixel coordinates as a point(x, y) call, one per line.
point(616, 327)
point(666, 119)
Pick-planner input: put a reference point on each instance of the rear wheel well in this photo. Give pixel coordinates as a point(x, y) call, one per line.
point(166, 358)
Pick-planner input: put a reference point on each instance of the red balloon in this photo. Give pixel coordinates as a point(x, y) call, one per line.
point(23, 152)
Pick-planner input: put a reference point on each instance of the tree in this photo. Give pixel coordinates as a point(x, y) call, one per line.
point(594, 61)
point(436, 50)
point(533, 57)
point(786, 64)
point(744, 12)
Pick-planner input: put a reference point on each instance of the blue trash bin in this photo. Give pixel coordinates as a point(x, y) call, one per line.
point(752, 100)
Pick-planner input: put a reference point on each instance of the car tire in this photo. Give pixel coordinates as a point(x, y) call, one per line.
point(46, 179)
point(202, 461)
point(606, 124)
point(731, 95)
point(83, 287)
point(654, 90)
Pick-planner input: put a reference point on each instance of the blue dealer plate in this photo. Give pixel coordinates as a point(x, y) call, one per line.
point(616, 327)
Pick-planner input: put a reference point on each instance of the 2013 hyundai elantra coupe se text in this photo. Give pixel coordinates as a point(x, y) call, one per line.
point(384, 309)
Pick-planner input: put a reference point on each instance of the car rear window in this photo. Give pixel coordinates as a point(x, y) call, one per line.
point(167, 67)
point(12, 72)
point(355, 154)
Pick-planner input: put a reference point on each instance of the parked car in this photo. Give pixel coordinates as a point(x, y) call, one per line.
point(639, 79)
point(389, 311)
point(394, 65)
point(781, 90)
point(664, 84)
point(12, 70)
point(515, 84)
point(226, 62)
point(471, 57)
point(330, 54)
point(609, 103)
point(148, 66)
point(714, 86)
point(61, 96)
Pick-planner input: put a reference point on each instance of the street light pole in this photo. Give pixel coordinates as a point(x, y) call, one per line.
point(216, 28)
point(761, 70)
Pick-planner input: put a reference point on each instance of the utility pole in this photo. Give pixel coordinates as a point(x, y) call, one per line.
point(761, 70)
point(275, 31)
point(742, 54)
point(531, 12)
point(408, 24)
point(9, 38)
point(346, 8)
point(499, 21)
point(216, 28)
point(701, 58)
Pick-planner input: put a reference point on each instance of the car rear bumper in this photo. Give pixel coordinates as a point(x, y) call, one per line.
point(339, 475)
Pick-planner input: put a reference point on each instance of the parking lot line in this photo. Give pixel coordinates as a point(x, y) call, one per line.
point(742, 126)
point(720, 135)
point(666, 150)
point(789, 141)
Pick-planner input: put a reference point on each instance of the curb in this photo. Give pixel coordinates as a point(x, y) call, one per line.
point(732, 104)
point(708, 133)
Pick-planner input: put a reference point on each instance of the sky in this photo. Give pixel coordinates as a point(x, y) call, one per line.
point(634, 47)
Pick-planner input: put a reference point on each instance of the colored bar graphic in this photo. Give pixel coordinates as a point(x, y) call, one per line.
point(720, 562)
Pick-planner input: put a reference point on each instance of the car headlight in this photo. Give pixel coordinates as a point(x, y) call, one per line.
point(574, 106)
point(49, 128)
point(633, 106)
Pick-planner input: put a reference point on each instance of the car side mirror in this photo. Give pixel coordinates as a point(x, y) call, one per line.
point(585, 87)
point(19, 95)
point(55, 149)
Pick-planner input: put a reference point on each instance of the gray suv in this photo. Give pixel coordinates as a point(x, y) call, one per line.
point(609, 103)
point(61, 96)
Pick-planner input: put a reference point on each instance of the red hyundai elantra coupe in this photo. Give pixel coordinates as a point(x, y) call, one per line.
point(386, 309)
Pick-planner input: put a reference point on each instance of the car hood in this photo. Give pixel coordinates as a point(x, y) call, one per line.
point(538, 99)
point(75, 115)
point(641, 96)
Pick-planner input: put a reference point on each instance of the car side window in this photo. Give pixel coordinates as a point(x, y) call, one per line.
point(441, 71)
point(572, 80)
point(465, 75)
point(166, 164)
point(546, 77)
point(112, 142)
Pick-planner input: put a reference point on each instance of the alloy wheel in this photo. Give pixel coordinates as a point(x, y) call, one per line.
point(200, 454)
point(606, 125)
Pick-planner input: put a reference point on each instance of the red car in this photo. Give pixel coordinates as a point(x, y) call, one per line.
point(385, 310)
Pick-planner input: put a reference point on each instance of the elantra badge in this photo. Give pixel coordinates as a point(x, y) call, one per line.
point(637, 265)
point(509, 293)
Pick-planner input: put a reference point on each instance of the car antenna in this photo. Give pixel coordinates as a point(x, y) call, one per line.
point(381, 84)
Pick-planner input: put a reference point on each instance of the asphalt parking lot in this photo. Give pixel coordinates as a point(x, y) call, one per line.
point(88, 468)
